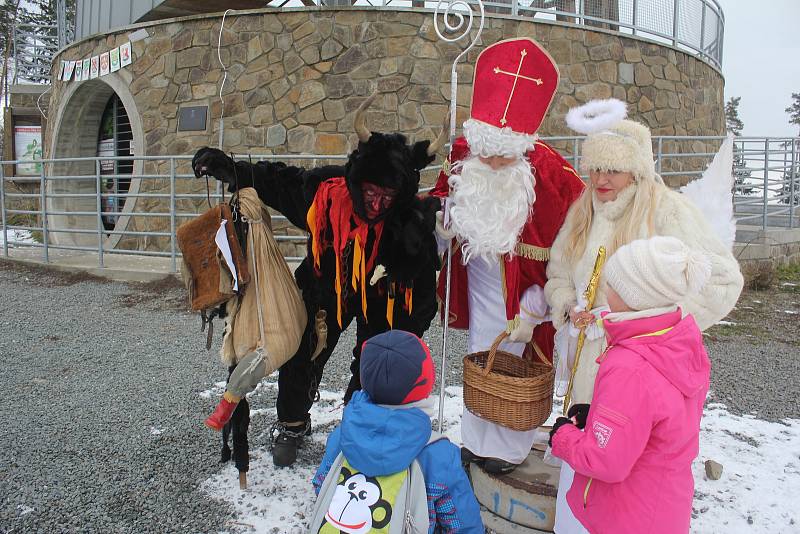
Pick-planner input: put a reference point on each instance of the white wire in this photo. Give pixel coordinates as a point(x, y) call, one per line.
point(224, 78)
point(38, 100)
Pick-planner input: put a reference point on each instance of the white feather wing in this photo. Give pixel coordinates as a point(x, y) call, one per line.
point(713, 193)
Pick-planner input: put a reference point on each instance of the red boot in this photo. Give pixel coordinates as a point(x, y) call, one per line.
point(223, 413)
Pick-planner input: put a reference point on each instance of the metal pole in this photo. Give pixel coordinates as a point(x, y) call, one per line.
point(173, 255)
point(703, 31)
point(792, 183)
point(575, 153)
point(3, 208)
point(675, 5)
point(99, 205)
point(660, 154)
point(633, 15)
point(515, 7)
point(43, 210)
point(766, 180)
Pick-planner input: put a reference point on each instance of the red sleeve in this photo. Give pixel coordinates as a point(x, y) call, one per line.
point(458, 152)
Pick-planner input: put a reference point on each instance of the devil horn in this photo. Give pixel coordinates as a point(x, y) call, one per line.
point(360, 121)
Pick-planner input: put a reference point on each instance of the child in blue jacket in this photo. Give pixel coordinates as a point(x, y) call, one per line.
point(388, 424)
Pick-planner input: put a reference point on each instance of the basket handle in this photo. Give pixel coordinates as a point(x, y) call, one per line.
point(493, 351)
point(540, 354)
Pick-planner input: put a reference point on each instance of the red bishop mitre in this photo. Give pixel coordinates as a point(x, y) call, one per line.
point(515, 82)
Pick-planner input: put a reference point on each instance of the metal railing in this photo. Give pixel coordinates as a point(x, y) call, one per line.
point(34, 48)
point(63, 207)
point(696, 26)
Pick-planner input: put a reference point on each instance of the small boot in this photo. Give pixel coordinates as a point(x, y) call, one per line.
point(224, 411)
point(288, 440)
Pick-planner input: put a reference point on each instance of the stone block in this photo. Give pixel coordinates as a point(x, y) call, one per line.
point(306, 28)
point(180, 42)
point(351, 59)
point(642, 75)
point(310, 54)
point(301, 139)
point(645, 104)
point(278, 88)
point(330, 144)
point(713, 470)
point(292, 61)
point(391, 83)
point(257, 97)
point(187, 58)
point(424, 49)
point(367, 70)
point(625, 73)
point(333, 109)
point(310, 93)
point(245, 82)
point(330, 48)
point(632, 54)
point(607, 71)
point(425, 72)
point(339, 86)
point(410, 118)
point(311, 115)
point(263, 115)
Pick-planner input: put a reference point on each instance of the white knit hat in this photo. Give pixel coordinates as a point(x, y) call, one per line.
point(613, 143)
point(656, 272)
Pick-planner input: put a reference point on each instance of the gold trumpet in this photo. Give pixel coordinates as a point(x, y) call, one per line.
point(590, 294)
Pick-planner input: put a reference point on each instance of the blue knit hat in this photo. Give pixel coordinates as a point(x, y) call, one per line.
point(396, 368)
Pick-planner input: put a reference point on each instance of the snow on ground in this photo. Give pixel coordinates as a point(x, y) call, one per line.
point(18, 236)
point(757, 491)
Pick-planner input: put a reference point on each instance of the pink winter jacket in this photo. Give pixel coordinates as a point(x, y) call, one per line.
point(633, 462)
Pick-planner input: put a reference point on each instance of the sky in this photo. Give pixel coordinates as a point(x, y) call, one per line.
point(760, 62)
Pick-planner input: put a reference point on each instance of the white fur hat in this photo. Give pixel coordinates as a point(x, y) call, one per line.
point(613, 143)
point(656, 272)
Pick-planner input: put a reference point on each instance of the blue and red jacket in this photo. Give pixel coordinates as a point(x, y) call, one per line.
point(380, 441)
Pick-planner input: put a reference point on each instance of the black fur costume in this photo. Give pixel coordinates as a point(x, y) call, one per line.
point(407, 250)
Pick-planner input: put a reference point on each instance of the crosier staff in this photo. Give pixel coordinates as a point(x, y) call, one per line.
point(590, 294)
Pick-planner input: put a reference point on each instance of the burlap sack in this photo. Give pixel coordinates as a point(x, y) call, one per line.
point(282, 309)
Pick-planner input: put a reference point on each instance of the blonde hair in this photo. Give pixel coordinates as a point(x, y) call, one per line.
point(641, 209)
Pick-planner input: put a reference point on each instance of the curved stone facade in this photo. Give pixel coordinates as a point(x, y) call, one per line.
point(294, 79)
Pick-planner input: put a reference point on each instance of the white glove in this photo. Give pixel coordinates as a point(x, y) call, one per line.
point(594, 330)
point(522, 333)
point(445, 233)
point(378, 273)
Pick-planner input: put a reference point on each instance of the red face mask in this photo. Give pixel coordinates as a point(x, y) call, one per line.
point(377, 199)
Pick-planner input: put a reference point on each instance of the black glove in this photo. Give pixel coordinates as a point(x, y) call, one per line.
point(213, 162)
point(561, 421)
point(580, 412)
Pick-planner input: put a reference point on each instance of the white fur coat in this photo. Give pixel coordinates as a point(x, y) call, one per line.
point(675, 216)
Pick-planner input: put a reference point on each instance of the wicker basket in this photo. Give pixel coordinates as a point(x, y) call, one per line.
point(508, 390)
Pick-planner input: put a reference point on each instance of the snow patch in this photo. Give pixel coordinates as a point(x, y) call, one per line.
point(19, 236)
point(757, 457)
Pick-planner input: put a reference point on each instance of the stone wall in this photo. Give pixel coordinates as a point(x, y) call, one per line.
point(295, 78)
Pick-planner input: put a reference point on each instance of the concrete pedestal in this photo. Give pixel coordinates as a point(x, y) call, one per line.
point(524, 498)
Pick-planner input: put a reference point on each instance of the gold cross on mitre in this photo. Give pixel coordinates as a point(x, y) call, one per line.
point(517, 76)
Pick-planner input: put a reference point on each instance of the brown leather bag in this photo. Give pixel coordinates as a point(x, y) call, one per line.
point(205, 272)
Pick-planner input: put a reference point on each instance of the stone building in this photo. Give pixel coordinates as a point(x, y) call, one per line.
point(293, 78)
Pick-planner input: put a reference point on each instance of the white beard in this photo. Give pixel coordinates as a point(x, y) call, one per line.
point(489, 208)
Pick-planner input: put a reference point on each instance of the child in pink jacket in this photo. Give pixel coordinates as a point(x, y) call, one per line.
point(633, 461)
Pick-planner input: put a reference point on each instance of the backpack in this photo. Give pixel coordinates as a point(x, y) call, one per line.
point(354, 503)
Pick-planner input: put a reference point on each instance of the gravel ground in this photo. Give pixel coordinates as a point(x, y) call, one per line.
point(102, 399)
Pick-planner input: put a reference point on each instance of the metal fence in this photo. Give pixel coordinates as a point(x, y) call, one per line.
point(696, 26)
point(34, 46)
point(65, 206)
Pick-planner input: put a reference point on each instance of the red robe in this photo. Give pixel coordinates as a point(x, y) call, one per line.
point(557, 186)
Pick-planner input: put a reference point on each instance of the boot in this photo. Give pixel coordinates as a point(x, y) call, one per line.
point(288, 440)
point(496, 466)
point(224, 411)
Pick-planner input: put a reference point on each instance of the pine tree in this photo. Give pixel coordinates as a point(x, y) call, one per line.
point(793, 172)
point(732, 120)
point(735, 126)
point(794, 110)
